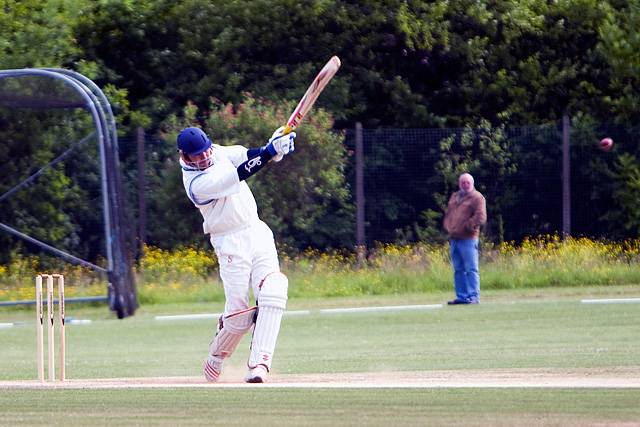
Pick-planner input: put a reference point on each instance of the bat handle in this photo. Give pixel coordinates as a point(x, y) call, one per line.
point(287, 130)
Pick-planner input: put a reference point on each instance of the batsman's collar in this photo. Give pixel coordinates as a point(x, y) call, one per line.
point(188, 168)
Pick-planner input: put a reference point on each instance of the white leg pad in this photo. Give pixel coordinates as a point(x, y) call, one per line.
point(265, 336)
point(273, 291)
point(272, 301)
point(212, 367)
point(231, 329)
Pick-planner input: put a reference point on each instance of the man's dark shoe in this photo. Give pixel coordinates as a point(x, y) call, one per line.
point(462, 301)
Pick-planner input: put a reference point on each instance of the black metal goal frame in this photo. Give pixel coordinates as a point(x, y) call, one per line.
point(122, 293)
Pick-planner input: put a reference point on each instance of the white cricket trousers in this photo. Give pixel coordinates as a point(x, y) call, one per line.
point(245, 257)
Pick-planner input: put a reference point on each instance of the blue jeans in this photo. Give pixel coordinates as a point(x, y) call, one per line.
point(466, 277)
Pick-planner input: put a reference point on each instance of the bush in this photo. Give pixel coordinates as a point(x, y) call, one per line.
point(190, 274)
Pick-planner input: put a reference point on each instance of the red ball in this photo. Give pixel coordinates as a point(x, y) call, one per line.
point(606, 144)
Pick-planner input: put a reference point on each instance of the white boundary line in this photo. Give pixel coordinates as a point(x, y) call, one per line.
point(190, 316)
point(297, 313)
point(73, 321)
point(68, 321)
point(382, 308)
point(328, 311)
point(201, 316)
point(610, 301)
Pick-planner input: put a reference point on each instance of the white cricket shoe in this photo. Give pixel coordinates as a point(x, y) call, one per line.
point(212, 367)
point(256, 375)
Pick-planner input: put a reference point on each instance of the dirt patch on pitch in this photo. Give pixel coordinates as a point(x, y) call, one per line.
point(628, 377)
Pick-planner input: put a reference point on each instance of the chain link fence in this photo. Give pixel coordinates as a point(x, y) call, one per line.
point(408, 175)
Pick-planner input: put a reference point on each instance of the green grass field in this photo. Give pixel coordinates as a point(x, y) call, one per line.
point(550, 330)
point(380, 407)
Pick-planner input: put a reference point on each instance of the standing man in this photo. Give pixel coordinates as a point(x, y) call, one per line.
point(214, 179)
point(466, 212)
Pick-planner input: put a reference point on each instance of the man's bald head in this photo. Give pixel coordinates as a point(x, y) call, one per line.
point(465, 183)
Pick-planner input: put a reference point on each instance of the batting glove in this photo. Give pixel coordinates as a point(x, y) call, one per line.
point(280, 145)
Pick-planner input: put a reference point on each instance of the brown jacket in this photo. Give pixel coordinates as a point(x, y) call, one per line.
point(465, 215)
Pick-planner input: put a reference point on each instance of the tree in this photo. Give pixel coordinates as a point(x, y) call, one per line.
point(620, 46)
point(405, 63)
point(627, 193)
point(37, 33)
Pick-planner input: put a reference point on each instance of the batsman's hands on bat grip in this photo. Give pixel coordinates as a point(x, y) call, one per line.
point(281, 144)
point(278, 132)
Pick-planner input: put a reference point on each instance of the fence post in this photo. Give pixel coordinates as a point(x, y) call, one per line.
point(361, 248)
point(566, 178)
point(142, 208)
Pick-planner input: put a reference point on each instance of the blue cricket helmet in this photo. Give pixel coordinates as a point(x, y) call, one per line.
point(193, 141)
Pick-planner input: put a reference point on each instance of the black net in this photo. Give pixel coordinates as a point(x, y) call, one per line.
point(60, 188)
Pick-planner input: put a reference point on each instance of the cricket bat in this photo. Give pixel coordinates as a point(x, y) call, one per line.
point(310, 96)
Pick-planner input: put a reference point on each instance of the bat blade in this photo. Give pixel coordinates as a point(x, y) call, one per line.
point(312, 93)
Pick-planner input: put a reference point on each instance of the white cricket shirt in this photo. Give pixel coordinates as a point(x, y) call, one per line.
point(226, 203)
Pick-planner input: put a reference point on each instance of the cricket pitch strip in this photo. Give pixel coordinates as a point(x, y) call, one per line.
point(623, 377)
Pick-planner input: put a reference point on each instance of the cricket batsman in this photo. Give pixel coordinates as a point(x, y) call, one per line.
point(214, 178)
